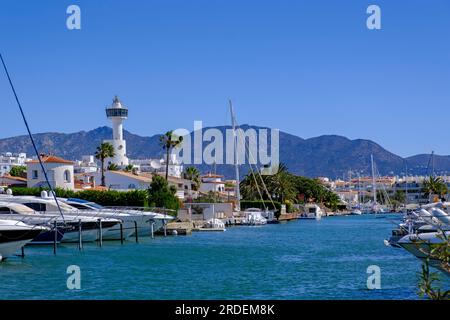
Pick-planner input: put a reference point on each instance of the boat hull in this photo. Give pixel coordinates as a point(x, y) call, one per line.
point(12, 240)
point(47, 237)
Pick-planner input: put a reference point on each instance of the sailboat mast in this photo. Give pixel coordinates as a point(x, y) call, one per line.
point(236, 164)
point(406, 185)
point(374, 184)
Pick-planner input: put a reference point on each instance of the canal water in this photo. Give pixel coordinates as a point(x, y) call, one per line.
point(302, 259)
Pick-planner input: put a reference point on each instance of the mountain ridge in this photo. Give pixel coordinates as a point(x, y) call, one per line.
point(326, 155)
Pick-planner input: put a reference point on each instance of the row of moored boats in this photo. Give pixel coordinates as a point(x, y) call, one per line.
point(46, 220)
point(421, 230)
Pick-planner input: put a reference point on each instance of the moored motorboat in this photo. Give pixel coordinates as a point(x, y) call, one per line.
point(132, 218)
point(14, 235)
point(71, 223)
point(311, 211)
point(253, 217)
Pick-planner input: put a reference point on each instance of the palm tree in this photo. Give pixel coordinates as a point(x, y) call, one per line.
point(192, 173)
point(105, 150)
point(168, 142)
point(435, 185)
point(280, 184)
point(128, 168)
point(249, 187)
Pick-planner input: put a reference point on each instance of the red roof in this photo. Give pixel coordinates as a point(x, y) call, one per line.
point(7, 176)
point(51, 159)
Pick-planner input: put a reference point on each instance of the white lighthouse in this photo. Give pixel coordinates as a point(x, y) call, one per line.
point(117, 113)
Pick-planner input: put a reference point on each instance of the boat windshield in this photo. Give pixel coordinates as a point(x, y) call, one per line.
point(95, 205)
point(16, 208)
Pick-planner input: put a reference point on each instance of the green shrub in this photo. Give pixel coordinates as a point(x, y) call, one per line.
point(134, 198)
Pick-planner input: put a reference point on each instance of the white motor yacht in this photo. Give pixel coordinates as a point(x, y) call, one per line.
point(253, 217)
point(14, 235)
point(213, 225)
point(420, 244)
point(46, 209)
point(131, 218)
point(311, 211)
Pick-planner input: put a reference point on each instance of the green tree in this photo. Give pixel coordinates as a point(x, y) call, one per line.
point(105, 150)
point(435, 185)
point(439, 252)
point(18, 171)
point(169, 141)
point(192, 173)
point(210, 197)
point(113, 167)
point(161, 195)
point(128, 168)
point(332, 200)
point(249, 187)
point(397, 199)
point(280, 185)
point(399, 196)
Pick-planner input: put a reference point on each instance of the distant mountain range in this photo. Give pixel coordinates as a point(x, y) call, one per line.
point(329, 155)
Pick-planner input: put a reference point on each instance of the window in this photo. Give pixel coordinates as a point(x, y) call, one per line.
point(36, 206)
point(35, 174)
point(67, 176)
point(4, 210)
point(79, 206)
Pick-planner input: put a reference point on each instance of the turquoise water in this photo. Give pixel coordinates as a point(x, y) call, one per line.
point(324, 259)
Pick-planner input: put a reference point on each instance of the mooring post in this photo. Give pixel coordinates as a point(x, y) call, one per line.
point(23, 252)
point(136, 231)
point(80, 236)
point(55, 238)
point(152, 231)
point(121, 233)
point(165, 227)
point(100, 233)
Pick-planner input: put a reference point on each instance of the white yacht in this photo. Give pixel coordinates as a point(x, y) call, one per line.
point(130, 217)
point(253, 217)
point(40, 209)
point(213, 224)
point(356, 212)
point(14, 235)
point(420, 244)
point(311, 211)
point(421, 230)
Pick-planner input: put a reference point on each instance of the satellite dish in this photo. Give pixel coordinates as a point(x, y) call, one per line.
point(155, 164)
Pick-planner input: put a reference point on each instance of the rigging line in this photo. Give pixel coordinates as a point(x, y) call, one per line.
point(384, 193)
point(257, 186)
point(260, 176)
point(31, 136)
point(246, 146)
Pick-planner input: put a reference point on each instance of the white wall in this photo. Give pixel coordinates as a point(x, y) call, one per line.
point(55, 173)
point(120, 182)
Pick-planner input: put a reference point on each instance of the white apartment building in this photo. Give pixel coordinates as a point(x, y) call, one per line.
point(87, 164)
point(159, 165)
point(9, 160)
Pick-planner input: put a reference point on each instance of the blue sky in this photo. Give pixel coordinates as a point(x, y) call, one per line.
point(306, 67)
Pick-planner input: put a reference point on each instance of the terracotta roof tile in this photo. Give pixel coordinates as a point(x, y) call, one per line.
point(51, 159)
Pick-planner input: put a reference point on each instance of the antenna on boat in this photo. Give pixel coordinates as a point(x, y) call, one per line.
point(30, 135)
